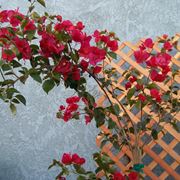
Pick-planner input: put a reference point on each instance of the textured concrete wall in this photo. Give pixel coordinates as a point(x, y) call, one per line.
point(33, 137)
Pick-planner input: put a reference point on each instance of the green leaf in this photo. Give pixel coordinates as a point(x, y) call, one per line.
point(81, 178)
point(116, 109)
point(130, 93)
point(99, 116)
point(154, 134)
point(36, 76)
point(6, 67)
point(48, 85)
point(15, 64)
point(13, 108)
point(42, 2)
point(111, 124)
point(21, 98)
point(79, 169)
point(113, 55)
point(30, 35)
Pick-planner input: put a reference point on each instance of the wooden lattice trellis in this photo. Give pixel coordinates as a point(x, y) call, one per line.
point(161, 157)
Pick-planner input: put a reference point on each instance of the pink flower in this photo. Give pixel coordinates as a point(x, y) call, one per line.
point(23, 47)
point(148, 43)
point(77, 35)
point(64, 67)
point(73, 99)
point(155, 76)
point(163, 60)
point(30, 26)
point(132, 79)
point(49, 45)
point(113, 45)
point(152, 62)
point(66, 158)
point(155, 94)
point(141, 56)
point(61, 108)
point(118, 176)
point(133, 176)
point(167, 45)
point(84, 65)
point(78, 160)
point(80, 26)
point(72, 107)
point(76, 73)
point(97, 69)
point(88, 119)
point(139, 86)
point(7, 55)
point(128, 85)
point(142, 98)
point(165, 36)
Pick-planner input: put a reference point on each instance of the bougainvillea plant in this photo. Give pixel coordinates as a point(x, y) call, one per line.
point(55, 51)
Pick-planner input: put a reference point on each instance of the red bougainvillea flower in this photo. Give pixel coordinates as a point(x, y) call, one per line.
point(97, 69)
point(66, 158)
point(64, 67)
point(106, 40)
point(77, 35)
point(61, 178)
point(49, 45)
point(76, 73)
point(167, 46)
point(133, 176)
point(139, 86)
point(8, 55)
point(97, 36)
point(87, 119)
point(94, 54)
point(155, 94)
point(152, 62)
point(59, 18)
point(78, 160)
point(142, 98)
point(61, 108)
point(141, 56)
point(113, 45)
point(23, 47)
point(85, 101)
point(148, 43)
point(4, 16)
point(118, 176)
point(163, 60)
point(64, 25)
point(15, 17)
point(84, 65)
point(79, 25)
point(165, 36)
point(128, 85)
point(72, 107)
point(73, 99)
point(29, 26)
point(132, 79)
point(67, 116)
point(155, 76)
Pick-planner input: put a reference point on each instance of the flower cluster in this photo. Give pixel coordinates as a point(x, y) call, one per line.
point(131, 176)
point(158, 63)
point(71, 110)
point(69, 159)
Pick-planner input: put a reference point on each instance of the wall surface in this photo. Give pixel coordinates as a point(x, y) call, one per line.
point(34, 136)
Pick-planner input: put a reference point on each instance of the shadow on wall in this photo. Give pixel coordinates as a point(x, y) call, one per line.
point(10, 171)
